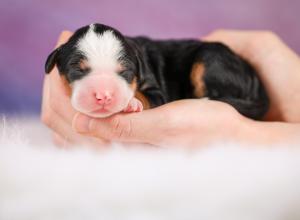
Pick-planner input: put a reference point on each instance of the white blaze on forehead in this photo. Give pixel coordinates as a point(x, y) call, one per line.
point(101, 50)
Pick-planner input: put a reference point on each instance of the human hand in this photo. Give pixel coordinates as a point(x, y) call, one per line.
point(57, 112)
point(277, 65)
point(181, 123)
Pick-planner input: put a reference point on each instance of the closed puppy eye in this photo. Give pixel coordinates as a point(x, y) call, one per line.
point(128, 75)
point(84, 66)
point(76, 74)
point(85, 70)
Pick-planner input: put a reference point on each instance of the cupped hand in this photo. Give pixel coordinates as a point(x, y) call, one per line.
point(57, 112)
point(180, 123)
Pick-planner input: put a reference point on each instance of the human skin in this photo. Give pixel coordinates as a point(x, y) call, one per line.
point(191, 122)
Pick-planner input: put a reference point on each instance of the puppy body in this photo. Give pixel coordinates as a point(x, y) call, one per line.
point(109, 73)
point(194, 69)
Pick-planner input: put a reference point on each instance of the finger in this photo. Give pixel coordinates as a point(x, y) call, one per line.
point(60, 127)
point(145, 127)
point(238, 41)
point(253, 46)
point(65, 131)
point(63, 38)
point(60, 97)
point(56, 92)
point(52, 119)
point(45, 98)
point(60, 141)
point(59, 94)
point(54, 103)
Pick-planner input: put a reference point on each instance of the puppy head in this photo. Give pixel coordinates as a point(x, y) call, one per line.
point(100, 67)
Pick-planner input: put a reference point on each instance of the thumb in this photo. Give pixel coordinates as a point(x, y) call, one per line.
point(241, 42)
point(134, 127)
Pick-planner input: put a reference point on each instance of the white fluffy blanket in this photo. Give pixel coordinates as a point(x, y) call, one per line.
point(220, 182)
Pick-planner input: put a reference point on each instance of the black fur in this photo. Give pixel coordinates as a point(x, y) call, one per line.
point(163, 69)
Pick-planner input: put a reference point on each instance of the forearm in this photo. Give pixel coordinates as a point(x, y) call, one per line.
point(269, 133)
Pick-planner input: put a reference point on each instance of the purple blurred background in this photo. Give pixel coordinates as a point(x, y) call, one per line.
point(29, 30)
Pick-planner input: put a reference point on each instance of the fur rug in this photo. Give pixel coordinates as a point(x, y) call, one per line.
point(224, 181)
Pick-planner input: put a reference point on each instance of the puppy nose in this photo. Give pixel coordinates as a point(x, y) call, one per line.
point(104, 98)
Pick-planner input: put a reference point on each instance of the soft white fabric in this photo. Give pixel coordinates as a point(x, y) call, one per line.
point(220, 182)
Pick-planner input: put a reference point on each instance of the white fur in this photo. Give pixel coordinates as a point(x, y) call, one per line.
point(102, 50)
point(225, 181)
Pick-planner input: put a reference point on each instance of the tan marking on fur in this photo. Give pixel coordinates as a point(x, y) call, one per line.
point(140, 96)
point(120, 68)
point(83, 64)
point(66, 85)
point(133, 84)
point(197, 79)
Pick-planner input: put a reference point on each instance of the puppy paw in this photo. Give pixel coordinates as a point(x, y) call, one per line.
point(134, 105)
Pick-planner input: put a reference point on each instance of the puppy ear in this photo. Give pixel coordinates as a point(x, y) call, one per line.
point(51, 60)
point(142, 67)
point(148, 83)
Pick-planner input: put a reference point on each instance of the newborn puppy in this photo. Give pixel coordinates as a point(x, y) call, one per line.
point(110, 73)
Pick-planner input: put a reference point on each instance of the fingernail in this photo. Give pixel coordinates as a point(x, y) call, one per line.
point(81, 123)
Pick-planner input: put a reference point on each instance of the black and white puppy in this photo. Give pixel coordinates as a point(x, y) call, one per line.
point(109, 73)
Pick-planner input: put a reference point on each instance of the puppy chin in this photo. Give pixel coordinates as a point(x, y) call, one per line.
point(99, 115)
